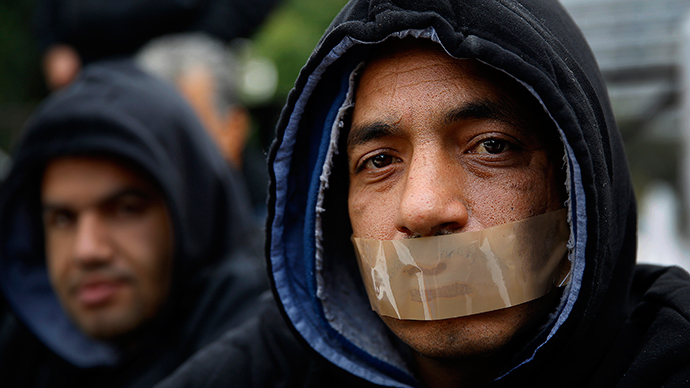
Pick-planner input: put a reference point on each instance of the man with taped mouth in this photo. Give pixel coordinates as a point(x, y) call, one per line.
point(126, 242)
point(451, 206)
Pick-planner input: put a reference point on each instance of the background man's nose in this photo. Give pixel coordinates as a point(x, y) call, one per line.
point(431, 203)
point(91, 242)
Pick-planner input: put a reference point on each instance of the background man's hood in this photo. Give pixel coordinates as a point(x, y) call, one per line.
point(313, 269)
point(115, 109)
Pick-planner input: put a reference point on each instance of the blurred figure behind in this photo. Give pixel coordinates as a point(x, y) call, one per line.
point(207, 73)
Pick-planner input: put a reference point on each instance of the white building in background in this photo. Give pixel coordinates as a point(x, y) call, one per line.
point(684, 65)
point(659, 238)
point(638, 44)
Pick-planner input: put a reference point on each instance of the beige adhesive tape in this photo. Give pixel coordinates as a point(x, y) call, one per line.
point(467, 273)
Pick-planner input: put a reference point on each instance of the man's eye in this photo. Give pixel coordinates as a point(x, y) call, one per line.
point(60, 219)
point(492, 146)
point(380, 161)
point(127, 207)
point(130, 208)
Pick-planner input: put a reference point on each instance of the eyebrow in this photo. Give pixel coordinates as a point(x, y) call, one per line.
point(361, 134)
point(109, 198)
point(485, 109)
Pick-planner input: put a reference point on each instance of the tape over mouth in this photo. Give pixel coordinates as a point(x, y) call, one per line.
point(450, 276)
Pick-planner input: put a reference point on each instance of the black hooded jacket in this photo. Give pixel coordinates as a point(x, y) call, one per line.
point(617, 324)
point(116, 110)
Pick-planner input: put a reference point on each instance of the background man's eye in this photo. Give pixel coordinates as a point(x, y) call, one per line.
point(129, 208)
point(60, 220)
point(381, 160)
point(494, 146)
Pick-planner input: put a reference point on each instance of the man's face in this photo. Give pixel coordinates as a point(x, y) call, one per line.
point(108, 244)
point(229, 129)
point(435, 148)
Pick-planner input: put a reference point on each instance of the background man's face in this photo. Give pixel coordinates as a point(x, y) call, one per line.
point(229, 129)
point(435, 148)
point(108, 244)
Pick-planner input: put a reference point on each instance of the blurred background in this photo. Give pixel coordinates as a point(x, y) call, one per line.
point(270, 53)
point(643, 49)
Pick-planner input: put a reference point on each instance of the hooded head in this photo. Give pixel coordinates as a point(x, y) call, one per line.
point(115, 211)
point(417, 119)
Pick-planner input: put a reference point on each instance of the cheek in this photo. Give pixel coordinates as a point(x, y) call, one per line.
point(358, 210)
point(371, 215)
point(57, 253)
point(541, 188)
point(148, 248)
point(513, 195)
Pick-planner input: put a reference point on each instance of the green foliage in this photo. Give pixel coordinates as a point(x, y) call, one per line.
point(287, 38)
point(20, 77)
point(290, 35)
point(21, 81)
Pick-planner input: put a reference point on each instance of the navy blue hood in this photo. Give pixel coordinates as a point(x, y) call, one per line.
point(313, 266)
point(114, 109)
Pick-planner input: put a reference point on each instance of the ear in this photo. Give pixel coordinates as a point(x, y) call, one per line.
point(234, 134)
point(197, 86)
point(61, 65)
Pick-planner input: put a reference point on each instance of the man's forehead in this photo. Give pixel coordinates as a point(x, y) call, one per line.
point(422, 70)
point(392, 58)
point(399, 66)
point(400, 60)
point(90, 177)
point(406, 66)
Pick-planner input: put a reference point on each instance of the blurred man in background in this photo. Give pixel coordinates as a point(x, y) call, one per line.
point(208, 74)
point(127, 243)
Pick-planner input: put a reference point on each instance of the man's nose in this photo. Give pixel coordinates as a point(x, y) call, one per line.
point(91, 244)
point(432, 202)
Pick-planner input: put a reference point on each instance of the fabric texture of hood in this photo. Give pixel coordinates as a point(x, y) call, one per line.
point(115, 109)
point(313, 269)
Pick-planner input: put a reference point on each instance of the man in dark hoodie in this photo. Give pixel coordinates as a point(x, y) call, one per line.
point(455, 167)
point(127, 243)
